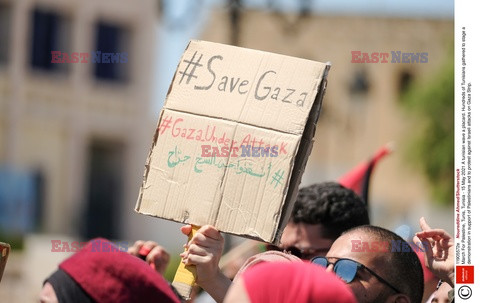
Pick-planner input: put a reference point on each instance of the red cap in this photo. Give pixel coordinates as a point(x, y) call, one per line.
point(109, 275)
point(300, 282)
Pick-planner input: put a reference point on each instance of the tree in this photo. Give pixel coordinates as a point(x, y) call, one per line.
point(431, 148)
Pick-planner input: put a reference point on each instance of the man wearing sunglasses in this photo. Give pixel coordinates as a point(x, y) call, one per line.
point(376, 275)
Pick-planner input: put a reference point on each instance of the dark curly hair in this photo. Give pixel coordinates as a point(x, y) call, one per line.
point(335, 207)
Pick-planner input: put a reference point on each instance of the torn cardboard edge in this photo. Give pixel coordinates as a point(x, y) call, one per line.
point(305, 148)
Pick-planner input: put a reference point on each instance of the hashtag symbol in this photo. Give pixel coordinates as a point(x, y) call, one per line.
point(165, 124)
point(277, 178)
point(192, 71)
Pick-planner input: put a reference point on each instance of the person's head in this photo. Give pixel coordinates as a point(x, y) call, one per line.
point(441, 294)
point(279, 282)
point(387, 269)
point(100, 272)
point(267, 256)
point(322, 212)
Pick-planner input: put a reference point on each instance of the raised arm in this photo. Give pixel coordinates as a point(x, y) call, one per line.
point(439, 251)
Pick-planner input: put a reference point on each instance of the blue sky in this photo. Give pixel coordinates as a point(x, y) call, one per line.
point(404, 8)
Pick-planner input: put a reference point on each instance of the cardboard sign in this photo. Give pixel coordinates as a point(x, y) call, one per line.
point(233, 139)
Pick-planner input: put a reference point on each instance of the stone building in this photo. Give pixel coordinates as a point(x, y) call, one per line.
point(80, 128)
point(79, 132)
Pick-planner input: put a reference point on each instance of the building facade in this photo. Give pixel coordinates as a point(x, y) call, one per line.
point(75, 96)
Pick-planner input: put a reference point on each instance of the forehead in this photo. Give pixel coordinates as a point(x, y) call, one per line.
point(237, 293)
point(306, 235)
point(346, 246)
point(47, 295)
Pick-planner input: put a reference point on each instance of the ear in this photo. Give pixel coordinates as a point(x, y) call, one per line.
point(400, 298)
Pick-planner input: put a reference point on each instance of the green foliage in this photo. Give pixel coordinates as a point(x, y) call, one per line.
point(15, 240)
point(431, 148)
point(172, 266)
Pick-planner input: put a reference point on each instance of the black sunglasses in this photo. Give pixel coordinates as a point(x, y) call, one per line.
point(347, 269)
point(304, 254)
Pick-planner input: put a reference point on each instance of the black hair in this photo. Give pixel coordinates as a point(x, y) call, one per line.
point(67, 289)
point(335, 207)
point(406, 270)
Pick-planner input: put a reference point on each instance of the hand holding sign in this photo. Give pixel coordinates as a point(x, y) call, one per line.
point(204, 251)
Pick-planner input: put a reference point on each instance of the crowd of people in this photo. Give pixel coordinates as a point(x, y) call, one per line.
point(328, 252)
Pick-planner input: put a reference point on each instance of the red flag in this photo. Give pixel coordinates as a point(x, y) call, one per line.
point(358, 178)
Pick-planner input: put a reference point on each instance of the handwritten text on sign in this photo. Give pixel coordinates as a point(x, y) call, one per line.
point(236, 85)
point(241, 163)
point(209, 133)
point(242, 166)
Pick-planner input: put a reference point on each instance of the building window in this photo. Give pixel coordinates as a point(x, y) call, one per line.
point(404, 81)
point(359, 84)
point(105, 183)
point(111, 55)
point(5, 29)
point(50, 32)
point(18, 201)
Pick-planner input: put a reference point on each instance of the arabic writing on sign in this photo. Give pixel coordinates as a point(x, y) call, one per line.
point(242, 166)
point(174, 158)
